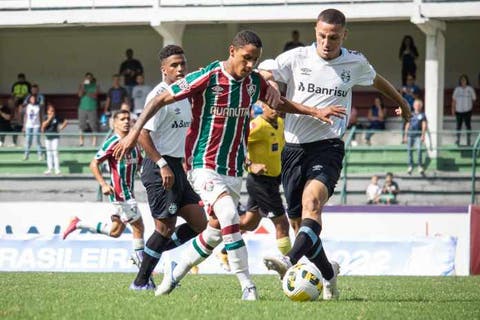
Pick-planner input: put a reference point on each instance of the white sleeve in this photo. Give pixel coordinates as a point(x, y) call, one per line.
point(281, 67)
point(366, 73)
point(156, 120)
point(474, 96)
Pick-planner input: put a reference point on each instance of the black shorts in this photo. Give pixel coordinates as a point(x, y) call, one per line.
point(164, 204)
point(264, 195)
point(320, 160)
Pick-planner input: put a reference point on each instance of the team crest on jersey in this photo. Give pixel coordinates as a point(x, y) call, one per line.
point(305, 71)
point(251, 88)
point(209, 186)
point(217, 89)
point(345, 75)
point(172, 209)
point(183, 84)
point(177, 110)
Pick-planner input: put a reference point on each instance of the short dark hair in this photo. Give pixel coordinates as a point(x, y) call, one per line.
point(117, 113)
point(170, 50)
point(21, 75)
point(88, 74)
point(35, 85)
point(332, 16)
point(463, 76)
point(246, 37)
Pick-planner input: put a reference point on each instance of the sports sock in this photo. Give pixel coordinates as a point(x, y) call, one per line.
point(319, 258)
point(138, 246)
point(284, 245)
point(183, 233)
point(98, 227)
point(151, 255)
point(227, 215)
point(307, 237)
point(198, 250)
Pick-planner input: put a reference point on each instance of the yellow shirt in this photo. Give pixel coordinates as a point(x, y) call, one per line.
point(265, 145)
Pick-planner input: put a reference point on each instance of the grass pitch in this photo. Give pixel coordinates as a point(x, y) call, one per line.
point(105, 296)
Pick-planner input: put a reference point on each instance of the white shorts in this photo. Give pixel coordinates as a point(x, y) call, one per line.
point(209, 185)
point(127, 211)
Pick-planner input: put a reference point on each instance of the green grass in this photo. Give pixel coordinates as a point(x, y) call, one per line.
point(105, 296)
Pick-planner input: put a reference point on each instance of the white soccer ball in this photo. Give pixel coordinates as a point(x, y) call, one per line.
point(302, 282)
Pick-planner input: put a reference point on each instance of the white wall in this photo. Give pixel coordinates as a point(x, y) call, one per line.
point(57, 58)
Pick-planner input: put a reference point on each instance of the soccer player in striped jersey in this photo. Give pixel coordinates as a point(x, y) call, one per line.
point(319, 75)
point(119, 190)
point(168, 190)
point(222, 95)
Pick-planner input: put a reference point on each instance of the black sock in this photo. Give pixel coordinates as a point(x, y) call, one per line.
point(182, 234)
point(306, 238)
point(318, 257)
point(151, 255)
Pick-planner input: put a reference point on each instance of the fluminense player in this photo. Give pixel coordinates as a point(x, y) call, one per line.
point(168, 190)
point(222, 95)
point(319, 75)
point(119, 190)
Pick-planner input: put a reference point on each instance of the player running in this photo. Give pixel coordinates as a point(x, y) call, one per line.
point(222, 94)
point(319, 75)
point(120, 189)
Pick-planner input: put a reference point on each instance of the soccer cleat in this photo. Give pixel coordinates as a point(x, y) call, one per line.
point(330, 290)
point(168, 282)
point(278, 263)
point(136, 259)
point(148, 286)
point(72, 226)
point(223, 257)
point(250, 293)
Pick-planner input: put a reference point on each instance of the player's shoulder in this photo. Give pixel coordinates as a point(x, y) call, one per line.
point(110, 142)
point(353, 55)
point(159, 88)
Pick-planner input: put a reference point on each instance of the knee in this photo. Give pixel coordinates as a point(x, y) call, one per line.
point(115, 233)
point(311, 205)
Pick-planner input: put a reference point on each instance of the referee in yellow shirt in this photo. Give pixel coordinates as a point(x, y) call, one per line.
point(265, 145)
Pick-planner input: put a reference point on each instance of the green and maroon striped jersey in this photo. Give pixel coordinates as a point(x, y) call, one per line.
point(122, 173)
point(221, 106)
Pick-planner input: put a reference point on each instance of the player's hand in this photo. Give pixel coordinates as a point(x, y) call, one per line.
point(107, 189)
point(258, 168)
point(124, 146)
point(324, 114)
point(272, 96)
point(167, 177)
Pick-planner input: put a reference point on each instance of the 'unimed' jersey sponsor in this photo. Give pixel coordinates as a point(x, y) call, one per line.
point(168, 128)
point(315, 82)
point(122, 173)
point(221, 111)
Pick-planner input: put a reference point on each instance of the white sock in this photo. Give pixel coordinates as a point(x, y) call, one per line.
point(99, 227)
point(198, 250)
point(138, 246)
point(226, 212)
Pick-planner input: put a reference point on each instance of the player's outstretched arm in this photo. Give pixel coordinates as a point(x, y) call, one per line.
point(126, 144)
point(385, 87)
point(323, 114)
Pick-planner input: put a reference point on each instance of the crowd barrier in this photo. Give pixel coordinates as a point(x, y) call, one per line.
point(365, 240)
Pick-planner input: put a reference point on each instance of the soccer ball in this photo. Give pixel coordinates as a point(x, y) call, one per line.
point(302, 282)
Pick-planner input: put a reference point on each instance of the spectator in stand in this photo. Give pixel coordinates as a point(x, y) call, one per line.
point(376, 117)
point(88, 92)
point(415, 132)
point(39, 98)
point(373, 191)
point(295, 42)
point(31, 126)
point(390, 190)
point(353, 122)
point(17, 112)
point(408, 54)
point(20, 89)
point(51, 127)
point(130, 69)
point(139, 94)
point(5, 126)
point(116, 95)
point(462, 104)
point(410, 92)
